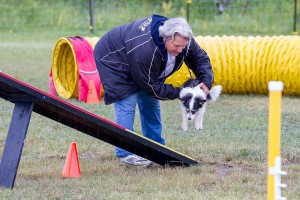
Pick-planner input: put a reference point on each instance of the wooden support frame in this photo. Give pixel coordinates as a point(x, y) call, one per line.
point(14, 143)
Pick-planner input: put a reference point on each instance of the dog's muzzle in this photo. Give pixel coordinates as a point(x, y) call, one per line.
point(190, 116)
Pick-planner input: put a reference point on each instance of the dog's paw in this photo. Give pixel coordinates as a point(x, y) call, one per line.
point(184, 128)
point(198, 128)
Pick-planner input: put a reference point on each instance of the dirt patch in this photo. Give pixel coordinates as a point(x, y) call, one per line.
point(225, 169)
point(292, 160)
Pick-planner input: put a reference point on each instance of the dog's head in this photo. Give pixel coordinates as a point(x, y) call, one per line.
point(193, 99)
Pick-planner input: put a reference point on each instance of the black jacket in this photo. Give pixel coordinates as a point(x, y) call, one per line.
point(132, 57)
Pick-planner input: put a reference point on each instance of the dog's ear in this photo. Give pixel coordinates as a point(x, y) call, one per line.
point(200, 101)
point(185, 97)
point(214, 93)
point(209, 97)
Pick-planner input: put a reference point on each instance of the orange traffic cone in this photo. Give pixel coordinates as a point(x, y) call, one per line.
point(92, 95)
point(71, 168)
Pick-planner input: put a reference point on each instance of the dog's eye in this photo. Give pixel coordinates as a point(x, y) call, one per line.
point(187, 110)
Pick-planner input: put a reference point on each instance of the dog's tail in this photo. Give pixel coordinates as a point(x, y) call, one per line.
point(214, 93)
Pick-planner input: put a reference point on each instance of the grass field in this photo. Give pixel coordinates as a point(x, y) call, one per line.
point(232, 148)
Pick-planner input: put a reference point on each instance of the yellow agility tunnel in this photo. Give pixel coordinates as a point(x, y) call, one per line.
point(242, 65)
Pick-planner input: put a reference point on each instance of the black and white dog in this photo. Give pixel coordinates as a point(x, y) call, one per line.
point(193, 102)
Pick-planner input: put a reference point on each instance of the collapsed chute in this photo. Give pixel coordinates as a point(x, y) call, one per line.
point(73, 66)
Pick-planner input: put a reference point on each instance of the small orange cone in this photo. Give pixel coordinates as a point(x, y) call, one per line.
point(71, 168)
point(92, 95)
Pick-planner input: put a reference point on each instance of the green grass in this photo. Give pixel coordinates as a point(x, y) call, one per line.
point(241, 17)
point(232, 148)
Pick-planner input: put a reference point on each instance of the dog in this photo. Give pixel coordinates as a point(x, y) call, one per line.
point(193, 102)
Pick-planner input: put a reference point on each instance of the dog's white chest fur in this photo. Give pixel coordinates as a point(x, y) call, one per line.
point(193, 104)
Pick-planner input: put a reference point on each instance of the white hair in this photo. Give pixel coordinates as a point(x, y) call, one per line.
point(176, 26)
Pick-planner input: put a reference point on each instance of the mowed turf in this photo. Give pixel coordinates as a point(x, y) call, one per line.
point(232, 147)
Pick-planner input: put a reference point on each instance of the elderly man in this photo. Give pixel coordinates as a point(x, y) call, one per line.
point(135, 59)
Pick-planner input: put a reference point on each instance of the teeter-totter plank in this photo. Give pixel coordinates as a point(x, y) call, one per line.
point(27, 99)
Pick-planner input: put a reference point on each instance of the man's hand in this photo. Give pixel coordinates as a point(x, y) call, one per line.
point(204, 88)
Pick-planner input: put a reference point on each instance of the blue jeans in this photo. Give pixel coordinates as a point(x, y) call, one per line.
point(149, 109)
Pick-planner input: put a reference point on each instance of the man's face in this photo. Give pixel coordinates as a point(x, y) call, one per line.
point(175, 46)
